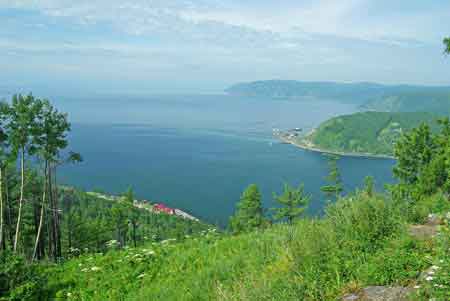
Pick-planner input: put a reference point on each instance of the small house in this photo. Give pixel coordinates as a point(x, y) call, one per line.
point(161, 208)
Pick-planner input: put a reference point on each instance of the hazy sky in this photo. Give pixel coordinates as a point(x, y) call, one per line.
point(203, 46)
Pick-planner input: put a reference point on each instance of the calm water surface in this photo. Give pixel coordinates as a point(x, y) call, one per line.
point(199, 152)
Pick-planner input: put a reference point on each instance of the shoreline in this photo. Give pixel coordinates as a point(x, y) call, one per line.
point(145, 205)
point(315, 149)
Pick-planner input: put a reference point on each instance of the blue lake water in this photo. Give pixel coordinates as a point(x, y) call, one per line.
point(199, 152)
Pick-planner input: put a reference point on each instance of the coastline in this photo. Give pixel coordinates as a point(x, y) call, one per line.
point(145, 205)
point(312, 148)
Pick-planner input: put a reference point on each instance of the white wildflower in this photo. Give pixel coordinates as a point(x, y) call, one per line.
point(95, 269)
point(431, 273)
point(429, 278)
point(112, 244)
point(435, 267)
point(417, 286)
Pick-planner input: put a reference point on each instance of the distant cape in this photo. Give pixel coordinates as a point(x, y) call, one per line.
point(359, 92)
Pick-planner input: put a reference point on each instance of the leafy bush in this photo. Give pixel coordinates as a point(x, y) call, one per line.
point(20, 280)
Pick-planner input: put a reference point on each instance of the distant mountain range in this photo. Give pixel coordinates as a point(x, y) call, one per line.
point(370, 96)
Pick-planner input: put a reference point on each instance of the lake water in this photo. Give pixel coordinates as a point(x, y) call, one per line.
point(198, 153)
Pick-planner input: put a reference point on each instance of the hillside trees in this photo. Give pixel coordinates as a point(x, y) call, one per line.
point(50, 139)
point(120, 218)
point(133, 214)
point(21, 126)
point(334, 188)
point(423, 162)
point(30, 129)
point(447, 45)
point(249, 214)
point(293, 203)
point(369, 185)
point(5, 157)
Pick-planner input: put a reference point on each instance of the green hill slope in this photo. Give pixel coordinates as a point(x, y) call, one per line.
point(436, 101)
point(362, 241)
point(367, 132)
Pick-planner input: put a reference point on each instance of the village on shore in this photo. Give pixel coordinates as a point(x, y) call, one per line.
point(155, 207)
point(298, 138)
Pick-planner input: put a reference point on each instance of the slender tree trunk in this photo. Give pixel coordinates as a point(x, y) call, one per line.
point(57, 216)
point(9, 220)
point(22, 184)
point(49, 232)
point(41, 218)
point(134, 234)
point(53, 214)
point(2, 245)
point(69, 222)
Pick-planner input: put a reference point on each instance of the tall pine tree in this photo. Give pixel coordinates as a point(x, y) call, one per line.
point(334, 188)
point(249, 213)
point(293, 203)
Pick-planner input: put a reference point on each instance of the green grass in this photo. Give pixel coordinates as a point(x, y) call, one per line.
point(361, 241)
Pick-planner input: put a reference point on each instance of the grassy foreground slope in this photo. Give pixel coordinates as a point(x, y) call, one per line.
point(366, 132)
point(361, 241)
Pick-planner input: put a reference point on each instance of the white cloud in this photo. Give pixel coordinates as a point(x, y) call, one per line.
point(197, 18)
point(225, 40)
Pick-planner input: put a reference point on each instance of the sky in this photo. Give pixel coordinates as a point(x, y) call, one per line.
point(203, 46)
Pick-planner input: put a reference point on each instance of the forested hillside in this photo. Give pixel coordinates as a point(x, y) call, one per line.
point(367, 132)
point(41, 220)
point(435, 101)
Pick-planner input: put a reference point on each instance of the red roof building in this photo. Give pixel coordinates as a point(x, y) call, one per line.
point(163, 208)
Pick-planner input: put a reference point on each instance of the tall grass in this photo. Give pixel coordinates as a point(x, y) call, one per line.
point(360, 241)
